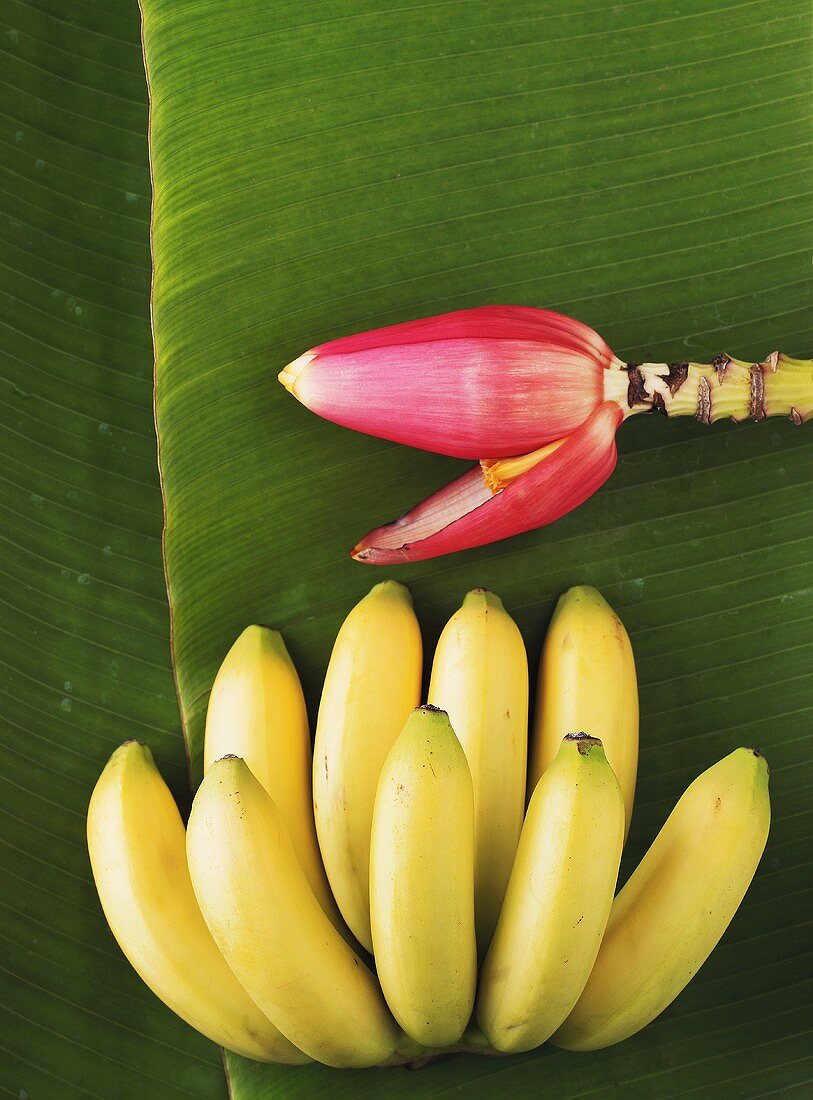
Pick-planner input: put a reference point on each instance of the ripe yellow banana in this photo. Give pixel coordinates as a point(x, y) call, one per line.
point(272, 931)
point(372, 684)
point(558, 899)
point(480, 677)
point(257, 711)
point(137, 851)
point(422, 881)
point(587, 682)
point(675, 907)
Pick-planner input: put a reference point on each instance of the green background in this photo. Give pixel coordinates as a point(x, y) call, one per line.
point(329, 167)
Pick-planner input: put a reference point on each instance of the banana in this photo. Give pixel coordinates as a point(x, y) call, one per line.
point(273, 933)
point(373, 682)
point(137, 852)
point(422, 881)
point(257, 711)
point(587, 682)
point(558, 899)
point(675, 907)
point(480, 677)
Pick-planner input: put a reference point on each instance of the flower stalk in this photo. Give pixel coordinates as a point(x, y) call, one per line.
point(725, 388)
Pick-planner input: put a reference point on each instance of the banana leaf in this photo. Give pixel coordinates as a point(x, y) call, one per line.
point(318, 169)
point(84, 641)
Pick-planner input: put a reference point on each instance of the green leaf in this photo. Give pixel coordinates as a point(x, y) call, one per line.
point(323, 171)
point(83, 642)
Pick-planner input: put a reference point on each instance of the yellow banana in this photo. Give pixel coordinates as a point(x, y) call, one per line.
point(675, 907)
point(264, 917)
point(422, 881)
point(558, 899)
point(587, 682)
point(257, 711)
point(137, 851)
point(480, 677)
point(372, 684)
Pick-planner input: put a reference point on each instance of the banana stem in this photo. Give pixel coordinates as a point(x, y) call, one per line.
point(474, 1042)
point(412, 1055)
point(726, 387)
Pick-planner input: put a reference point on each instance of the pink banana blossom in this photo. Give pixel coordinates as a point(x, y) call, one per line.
point(539, 394)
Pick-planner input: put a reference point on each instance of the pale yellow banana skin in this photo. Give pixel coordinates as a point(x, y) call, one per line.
point(422, 881)
point(558, 900)
point(671, 913)
point(587, 683)
point(137, 847)
point(265, 919)
point(257, 711)
point(372, 684)
point(480, 677)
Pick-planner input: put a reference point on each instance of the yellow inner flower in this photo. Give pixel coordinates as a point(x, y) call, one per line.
point(499, 472)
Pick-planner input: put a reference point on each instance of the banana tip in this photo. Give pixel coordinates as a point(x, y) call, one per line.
point(584, 741)
point(760, 757)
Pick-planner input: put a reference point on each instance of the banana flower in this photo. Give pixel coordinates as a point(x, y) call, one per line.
point(534, 396)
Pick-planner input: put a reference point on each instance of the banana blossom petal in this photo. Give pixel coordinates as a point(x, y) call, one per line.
point(528, 492)
point(496, 380)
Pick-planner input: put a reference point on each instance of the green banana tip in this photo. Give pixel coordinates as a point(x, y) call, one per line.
point(431, 718)
point(584, 742)
point(483, 597)
point(760, 758)
point(229, 769)
point(223, 763)
point(582, 593)
point(393, 589)
point(131, 753)
point(132, 746)
point(746, 762)
point(262, 635)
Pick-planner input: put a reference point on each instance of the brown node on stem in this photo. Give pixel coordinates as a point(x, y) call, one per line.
point(772, 362)
point(678, 373)
point(721, 363)
point(703, 413)
point(636, 390)
point(757, 397)
point(659, 405)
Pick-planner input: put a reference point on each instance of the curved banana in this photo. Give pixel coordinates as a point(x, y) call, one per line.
point(480, 677)
point(675, 907)
point(558, 899)
point(137, 851)
point(272, 931)
point(422, 881)
point(373, 682)
point(587, 682)
point(257, 711)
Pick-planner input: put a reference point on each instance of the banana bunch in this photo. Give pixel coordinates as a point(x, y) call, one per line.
point(388, 896)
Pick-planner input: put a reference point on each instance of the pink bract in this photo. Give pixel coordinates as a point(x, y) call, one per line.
point(497, 380)
point(465, 514)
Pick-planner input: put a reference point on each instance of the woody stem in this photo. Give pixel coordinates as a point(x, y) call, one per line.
point(726, 387)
